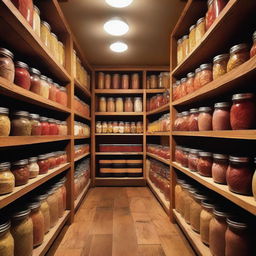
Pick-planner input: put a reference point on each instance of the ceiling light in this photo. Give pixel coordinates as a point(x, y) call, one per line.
point(118, 47)
point(116, 27)
point(119, 3)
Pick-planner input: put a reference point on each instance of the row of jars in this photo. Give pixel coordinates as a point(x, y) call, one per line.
point(220, 226)
point(27, 124)
point(188, 43)
point(81, 107)
point(208, 72)
point(28, 225)
point(163, 124)
point(239, 116)
point(19, 172)
point(237, 172)
point(119, 127)
point(81, 129)
point(120, 104)
point(159, 150)
point(117, 81)
point(158, 100)
point(159, 82)
point(81, 149)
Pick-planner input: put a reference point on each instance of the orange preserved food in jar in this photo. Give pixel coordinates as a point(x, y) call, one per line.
point(111, 105)
point(101, 80)
point(197, 84)
point(205, 74)
point(128, 105)
point(125, 82)
point(219, 65)
point(107, 81)
point(190, 82)
point(135, 81)
point(116, 81)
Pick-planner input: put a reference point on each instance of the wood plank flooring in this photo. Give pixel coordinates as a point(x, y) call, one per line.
point(123, 221)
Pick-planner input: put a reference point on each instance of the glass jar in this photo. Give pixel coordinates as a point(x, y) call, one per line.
point(205, 162)
point(104, 127)
point(5, 123)
point(115, 127)
point(7, 179)
point(153, 82)
point(192, 38)
point(36, 21)
point(253, 49)
point(21, 172)
point(61, 50)
point(220, 65)
point(20, 125)
point(197, 83)
point(121, 127)
point(54, 46)
point(6, 240)
point(238, 55)
point(45, 126)
point(53, 128)
point(164, 80)
point(184, 158)
point(116, 81)
point(139, 127)
point(127, 127)
point(128, 105)
point(200, 30)
point(239, 175)
point(243, 111)
point(101, 80)
point(52, 201)
point(62, 96)
point(190, 82)
point(22, 76)
point(36, 128)
point(43, 164)
point(193, 119)
point(125, 82)
point(44, 88)
point(53, 92)
point(52, 160)
point(45, 33)
point(107, 83)
point(64, 128)
point(187, 202)
point(179, 51)
point(102, 104)
point(110, 127)
point(183, 87)
point(205, 74)
point(22, 232)
point(33, 167)
point(137, 104)
point(193, 159)
point(135, 81)
point(35, 81)
point(185, 47)
point(119, 104)
point(111, 105)
point(221, 116)
point(7, 68)
point(185, 118)
point(133, 127)
point(177, 193)
point(26, 9)
point(45, 211)
point(205, 119)
point(219, 168)
point(98, 127)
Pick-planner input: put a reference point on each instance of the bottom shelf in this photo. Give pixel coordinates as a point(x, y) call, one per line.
point(160, 196)
point(51, 236)
point(120, 181)
point(80, 198)
point(193, 237)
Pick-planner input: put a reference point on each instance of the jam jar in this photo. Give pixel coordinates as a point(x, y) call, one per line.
point(25, 7)
point(200, 30)
point(219, 168)
point(205, 119)
point(238, 55)
point(221, 116)
point(239, 175)
point(197, 83)
point(7, 69)
point(125, 82)
point(128, 104)
point(5, 123)
point(111, 105)
point(22, 76)
point(33, 167)
point(193, 119)
point(43, 163)
point(116, 81)
point(205, 74)
point(35, 81)
point(36, 128)
point(21, 172)
point(45, 128)
point(7, 180)
point(204, 166)
point(53, 128)
point(243, 111)
point(6, 239)
point(190, 82)
point(253, 49)
point(21, 125)
point(193, 159)
point(192, 38)
point(62, 96)
point(220, 65)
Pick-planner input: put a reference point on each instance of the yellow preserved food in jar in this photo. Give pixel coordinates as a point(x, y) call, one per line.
point(219, 65)
point(200, 30)
point(102, 104)
point(7, 180)
point(45, 33)
point(185, 47)
point(119, 105)
point(110, 127)
point(177, 192)
point(192, 38)
point(104, 127)
point(6, 240)
point(61, 52)
point(36, 21)
point(179, 51)
point(54, 46)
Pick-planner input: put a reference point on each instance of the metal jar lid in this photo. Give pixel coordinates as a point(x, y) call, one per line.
point(42, 157)
point(34, 116)
point(43, 77)
point(179, 41)
point(184, 37)
point(37, 9)
point(183, 80)
point(21, 214)
point(186, 149)
point(43, 119)
point(54, 35)
point(222, 105)
point(34, 205)
point(254, 36)
point(200, 196)
point(185, 185)
point(49, 80)
point(192, 27)
point(242, 96)
point(236, 159)
point(190, 74)
point(200, 21)
point(41, 197)
point(4, 111)
point(35, 71)
point(4, 166)
point(237, 223)
point(6, 52)
point(207, 204)
point(209, 2)
point(220, 57)
point(185, 113)
point(205, 109)
point(220, 212)
point(21, 113)
point(32, 160)
point(238, 47)
point(5, 226)
point(177, 83)
point(20, 162)
point(198, 70)
point(193, 111)
point(194, 151)
point(205, 154)
point(51, 120)
point(46, 24)
point(63, 89)
point(206, 66)
point(220, 156)
point(21, 64)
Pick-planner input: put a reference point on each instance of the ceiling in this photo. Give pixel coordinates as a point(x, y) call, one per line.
point(150, 22)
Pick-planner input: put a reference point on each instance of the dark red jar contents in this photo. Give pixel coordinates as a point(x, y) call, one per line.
point(43, 163)
point(36, 128)
point(21, 172)
point(193, 119)
point(22, 76)
point(45, 126)
point(52, 160)
point(204, 166)
point(53, 127)
point(25, 7)
point(184, 157)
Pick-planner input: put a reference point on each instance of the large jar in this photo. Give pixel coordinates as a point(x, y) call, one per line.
point(179, 51)
point(7, 179)
point(164, 80)
point(238, 55)
point(100, 80)
point(21, 172)
point(239, 175)
point(197, 83)
point(45, 33)
point(128, 105)
point(253, 49)
point(45, 126)
point(221, 116)
point(190, 82)
point(178, 191)
point(111, 105)
point(121, 127)
point(61, 209)
point(33, 167)
point(22, 76)
point(44, 88)
point(139, 127)
point(137, 104)
point(119, 105)
point(43, 164)
point(21, 125)
point(107, 83)
point(116, 81)
point(54, 46)
point(181, 204)
point(36, 128)
point(185, 46)
point(127, 127)
point(187, 202)
point(184, 159)
point(200, 30)
point(53, 128)
point(52, 201)
point(243, 111)
point(62, 96)
point(204, 166)
point(125, 82)
point(53, 91)
point(5, 123)
point(36, 21)
point(61, 50)
point(6, 65)
point(26, 9)
point(45, 211)
point(135, 81)
point(220, 65)
point(205, 74)
point(183, 87)
point(192, 38)
point(193, 159)
point(219, 168)
point(35, 81)
point(102, 104)
point(185, 118)
point(6, 240)
point(193, 119)
point(205, 119)
point(153, 82)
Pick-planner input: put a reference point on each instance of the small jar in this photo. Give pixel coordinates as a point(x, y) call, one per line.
point(205, 162)
point(179, 51)
point(35, 81)
point(153, 82)
point(45, 33)
point(137, 104)
point(107, 83)
point(7, 69)
point(243, 111)
point(192, 38)
point(190, 83)
point(220, 65)
point(127, 127)
point(253, 49)
point(110, 127)
point(116, 81)
point(5, 123)
point(98, 127)
point(200, 30)
point(36, 128)
point(133, 127)
point(21, 172)
point(197, 83)
point(193, 119)
point(36, 21)
point(100, 80)
point(44, 88)
point(6, 240)
point(184, 159)
point(139, 127)
point(183, 87)
point(119, 104)
point(238, 55)
point(52, 160)
point(43, 164)
point(45, 128)
point(128, 105)
point(121, 127)
point(7, 179)
point(125, 82)
point(33, 167)
point(205, 74)
point(104, 127)
point(45, 211)
point(22, 76)
point(221, 116)
point(193, 159)
point(219, 168)
point(205, 119)
point(21, 125)
point(53, 92)
point(239, 175)
point(52, 201)
point(135, 81)
point(115, 127)
point(111, 105)
point(185, 46)
point(102, 104)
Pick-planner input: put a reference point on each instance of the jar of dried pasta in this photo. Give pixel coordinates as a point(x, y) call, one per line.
point(220, 65)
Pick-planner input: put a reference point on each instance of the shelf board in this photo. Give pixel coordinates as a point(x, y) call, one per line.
point(117, 153)
point(82, 116)
point(82, 156)
point(119, 91)
point(82, 88)
point(119, 134)
point(246, 202)
point(221, 85)
point(17, 92)
point(160, 196)
point(80, 198)
point(231, 134)
point(158, 133)
point(81, 137)
point(51, 236)
point(192, 236)
point(125, 181)
point(152, 91)
point(32, 184)
point(163, 108)
point(159, 158)
point(118, 113)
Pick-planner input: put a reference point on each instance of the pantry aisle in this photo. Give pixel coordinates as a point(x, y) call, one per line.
point(121, 222)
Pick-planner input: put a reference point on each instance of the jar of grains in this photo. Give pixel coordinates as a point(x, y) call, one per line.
point(21, 125)
point(6, 240)
point(221, 116)
point(7, 69)
point(119, 104)
point(220, 65)
point(7, 179)
point(5, 123)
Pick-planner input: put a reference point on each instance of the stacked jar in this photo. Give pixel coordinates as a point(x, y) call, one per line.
point(81, 149)
point(81, 107)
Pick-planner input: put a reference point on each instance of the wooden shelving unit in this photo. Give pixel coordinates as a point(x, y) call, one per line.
point(82, 88)
point(118, 134)
point(82, 156)
point(80, 198)
point(119, 114)
point(166, 161)
point(81, 116)
point(164, 108)
point(122, 182)
point(158, 134)
point(119, 91)
point(118, 153)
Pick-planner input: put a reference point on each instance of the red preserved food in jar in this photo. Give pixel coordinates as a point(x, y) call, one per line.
point(204, 166)
point(45, 126)
point(26, 9)
point(159, 100)
point(253, 49)
point(175, 92)
point(43, 163)
point(62, 97)
point(197, 84)
point(193, 119)
point(36, 128)
point(22, 76)
point(205, 76)
point(219, 168)
point(183, 87)
point(190, 82)
point(205, 119)
point(193, 159)
point(178, 122)
point(243, 111)
point(178, 154)
point(221, 116)
point(52, 160)
point(53, 91)
point(184, 157)
point(35, 81)
point(21, 172)
point(185, 120)
point(116, 81)
point(239, 175)
point(53, 128)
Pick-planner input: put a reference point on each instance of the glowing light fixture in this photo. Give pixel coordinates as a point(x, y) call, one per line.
point(118, 47)
point(119, 3)
point(116, 27)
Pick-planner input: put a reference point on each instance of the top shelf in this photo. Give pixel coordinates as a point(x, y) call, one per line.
point(119, 91)
point(82, 88)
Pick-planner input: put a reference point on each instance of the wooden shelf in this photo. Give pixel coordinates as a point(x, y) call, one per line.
point(125, 181)
point(193, 237)
point(232, 134)
point(80, 198)
point(158, 134)
point(152, 91)
point(82, 116)
point(221, 85)
point(160, 196)
point(81, 137)
point(119, 134)
point(246, 202)
point(82, 88)
point(82, 156)
point(32, 184)
point(118, 113)
point(119, 91)
point(118, 153)
point(159, 158)
point(164, 108)
point(51, 236)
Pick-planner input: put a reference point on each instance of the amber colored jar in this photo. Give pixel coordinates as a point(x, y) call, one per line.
point(133, 127)
point(43, 163)
point(179, 51)
point(190, 83)
point(53, 92)
point(125, 82)
point(36, 128)
point(128, 104)
point(121, 127)
point(181, 205)
point(107, 81)
point(183, 87)
point(116, 81)
point(7, 69)
point(177, 193)
point(21, 172)
point(5, 123)
point(7, 179)
point(45, 211)
point(135, 81)
point(22, 76)
point(193, 159)
point(6, 240)
point(111, 105)
point(62, 96)
point(243, 111)
point(153, 82)
point(205, 74)
point(100, 80)
point(193, 119)
point(187, 202)
point(200, 30)
point(253, 49)
point(104, 127)
point(45, 33)
point(115, 127)
point(45, 128)
point(44, 87)
point(102, 104)
point(221, 116)
point(238, 55)
point(21, 125)
point(35, 81)
point(183, 126)
point(52, 201)
point(184, 159)
point(139, 127)
point(127, 127)
point(197, 83)
point(239, 175)
point(204, 166)
point(26, 9)
point(185, 46)
point(110, 127)
point(192, 38)
point(219, 168)
point(205, 119)
point(220, 65)
point(119, 105)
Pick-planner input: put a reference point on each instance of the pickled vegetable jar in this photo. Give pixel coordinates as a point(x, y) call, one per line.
point(5, 123)
point(220, 65)
point(7, 69)
point(45, 33)
point(36, 21)
point(200, 30)
point(7, 179)
point(22, 76)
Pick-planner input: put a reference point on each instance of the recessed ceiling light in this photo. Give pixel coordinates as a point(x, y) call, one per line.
point(116, 27)
point(118, 47)
point(119, 3)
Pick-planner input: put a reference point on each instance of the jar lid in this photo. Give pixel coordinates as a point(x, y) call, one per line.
point(35, 71)
point(21, 113)
point(179, 41)
point(206, 66)
point(192, 27)
point(194, 151)
point(21, 213)
point(183, 80)
point(220, 57)
point(190, 74)
point(220, 156)
point(242, 96)
point(206, 154)
point(34, 205)
point(237, 223)
point(4, 166)
point(239, 159)
point(20, 162)
point(6, 52)
point(193, 110)
point(177, 83)
point(254, 35)
point(4, 110)
point(207, 204)
point(51, 120)
point(37, 9)
point(185, 113)
point(43, 77)
point(222, 105)
point(186, 149)
point(41, 197)
point(46, 24)
point(185, 37)
point(180, 181)
point(34, 116)
point(200, 20)
point(32, 159)
point(5, 226)
point(55, 84)
point(186, 185)
point(49, 80)
point(139, 98)
point(221, 212)
point(238, 47)
point(43, 119)
point(209, 2)
point(21, 64)
point(42, 157)
point(54, 35)
point(197, 70)
point(200, 196)
point(63, 89)
point(51, 191)
point(205, 109)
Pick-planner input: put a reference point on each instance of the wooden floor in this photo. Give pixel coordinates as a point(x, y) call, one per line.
point(121, 222)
